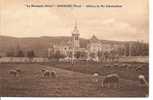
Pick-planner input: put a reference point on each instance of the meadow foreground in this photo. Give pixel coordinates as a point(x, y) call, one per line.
point(71, 80)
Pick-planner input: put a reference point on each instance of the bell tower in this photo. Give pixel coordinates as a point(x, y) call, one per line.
point(75, 36)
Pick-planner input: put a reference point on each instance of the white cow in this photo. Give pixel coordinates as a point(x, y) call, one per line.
point(143, 81)
point(95, 76)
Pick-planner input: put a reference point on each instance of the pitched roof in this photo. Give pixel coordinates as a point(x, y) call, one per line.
point(94, 39)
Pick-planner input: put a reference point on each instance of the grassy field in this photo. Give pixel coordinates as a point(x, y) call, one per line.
point(72, 80)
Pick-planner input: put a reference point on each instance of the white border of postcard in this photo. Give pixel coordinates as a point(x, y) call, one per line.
point(82, 98)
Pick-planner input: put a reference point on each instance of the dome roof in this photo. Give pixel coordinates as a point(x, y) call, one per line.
point(94, 39)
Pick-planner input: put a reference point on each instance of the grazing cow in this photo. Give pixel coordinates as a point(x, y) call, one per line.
point(115, 65)
point(53, 74)
point(124, 66)
point(18, 70)
point(95, 76)
point(46, 73)
point(139, 68)
point(143, 81)
point(111, 80)
point(13, 72)
point(43, 70)
point(127, 66)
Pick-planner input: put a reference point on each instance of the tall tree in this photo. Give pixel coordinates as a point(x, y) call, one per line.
point(10, 54)
point(30, 54)
point(58, 55)
point(20, 53)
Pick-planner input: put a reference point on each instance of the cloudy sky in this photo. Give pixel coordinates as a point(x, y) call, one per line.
point(129, 22)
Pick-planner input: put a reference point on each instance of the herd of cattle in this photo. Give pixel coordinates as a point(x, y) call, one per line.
point(108, 81)
point(113, 80)
point(46, 73)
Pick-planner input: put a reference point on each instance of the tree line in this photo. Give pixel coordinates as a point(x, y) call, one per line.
point(137, 49)
point(21, 53)
point(130, 49)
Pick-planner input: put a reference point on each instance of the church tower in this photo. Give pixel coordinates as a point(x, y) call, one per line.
point(75, 37)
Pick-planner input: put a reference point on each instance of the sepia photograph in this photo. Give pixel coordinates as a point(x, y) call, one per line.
point(74, 48)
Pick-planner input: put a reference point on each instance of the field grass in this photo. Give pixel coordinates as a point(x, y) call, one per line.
point(102, 69)
point(72, 80)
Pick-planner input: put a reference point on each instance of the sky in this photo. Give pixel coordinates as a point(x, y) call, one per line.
point(126, 23)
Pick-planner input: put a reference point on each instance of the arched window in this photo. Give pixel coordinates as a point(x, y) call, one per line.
point(76, 38)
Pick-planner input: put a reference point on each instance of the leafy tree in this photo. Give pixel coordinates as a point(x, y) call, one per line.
point(51, 56)
point(20, 53)
point(30, 54)
point(139, 49)
point(58, 55)
point(10, 54)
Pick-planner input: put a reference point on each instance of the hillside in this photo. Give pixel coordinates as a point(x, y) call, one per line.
point(38, 44)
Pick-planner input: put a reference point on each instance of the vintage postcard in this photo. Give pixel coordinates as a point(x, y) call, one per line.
point(74, 48)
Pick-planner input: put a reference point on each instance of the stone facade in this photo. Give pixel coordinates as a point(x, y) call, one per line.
point(73, 46)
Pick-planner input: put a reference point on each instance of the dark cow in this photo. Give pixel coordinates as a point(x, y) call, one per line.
point(53, 74)
point(139, 68)
point(142, 80)
point(111, 80)
point(43, 70)
point(18, 70)
point(46, 73)
point(13, 72)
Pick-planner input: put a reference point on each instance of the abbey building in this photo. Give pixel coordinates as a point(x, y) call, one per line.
point(73, 50)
